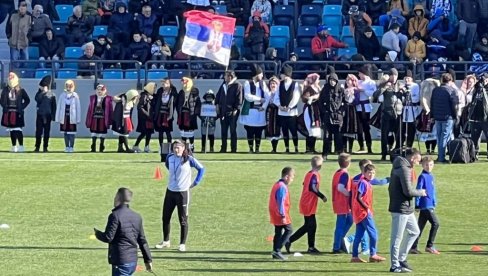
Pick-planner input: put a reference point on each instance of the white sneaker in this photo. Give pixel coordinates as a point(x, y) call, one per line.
point(71, 150)
point(182, 248)
point(66, 149)
point(14, 149)
point(20, 149)
point(136, 149)
point(147, 149)
point(348, 244)
point(163, 244)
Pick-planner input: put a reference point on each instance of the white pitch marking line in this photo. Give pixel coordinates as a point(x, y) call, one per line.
point(125, 161)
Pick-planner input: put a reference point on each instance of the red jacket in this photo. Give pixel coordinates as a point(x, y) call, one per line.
point(319, 45)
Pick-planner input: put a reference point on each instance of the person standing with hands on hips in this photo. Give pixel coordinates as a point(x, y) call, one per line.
point(179, 164)
point(124, 233)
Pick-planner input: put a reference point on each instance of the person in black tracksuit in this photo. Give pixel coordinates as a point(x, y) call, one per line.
point(145, 125)
point(46, 112)
point(478, 110)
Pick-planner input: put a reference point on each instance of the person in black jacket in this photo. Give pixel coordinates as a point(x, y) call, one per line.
point(124, 233)
point(375, 9)
point(121, 119)
point(89, 68)
point(138, 49)
point(79, 28)
point(240, 10)
point(478, 111)
point(229, 100)
point(120, 22)
point(188, 105)
point(401, 192)
point(443, 109)
point(46, 112)
point(369, 45)
point(145, 125)
point(164, 113)
point(467, 12)
point(50, 48)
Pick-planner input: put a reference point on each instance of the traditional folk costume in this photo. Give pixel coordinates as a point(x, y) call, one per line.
point(350, 124)
point(309, 121)
point(253, 113)
point(68, 114)
point(411, 110)
point(121, 119)
point(164, 112)
point(46, 112)
point(272, 130)
point(188, 108)
point(99, 116)
point(425, 122)
point(367, 87)
point(208, 123)
point(14, 100)
point(145, 125)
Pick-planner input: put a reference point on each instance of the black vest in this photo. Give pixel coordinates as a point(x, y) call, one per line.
point(287, 95)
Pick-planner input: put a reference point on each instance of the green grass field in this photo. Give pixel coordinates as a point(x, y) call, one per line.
point(52, 202)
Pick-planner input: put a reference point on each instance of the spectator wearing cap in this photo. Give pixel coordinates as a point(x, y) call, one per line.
point(90, 10)
point(375, 9)
point(368, 45)
point(17, 29)
point(240, 10)
point(264, 8)
point(415, 50)
point(40, 23)
point(50, 48)
point(147, 24)
point(79, 28)
point(322, 44)
point(138, 50)
point(418, 23)
point(256, 36)
point(393, 40)
point(467, 12)
point(89, 67)
point(358, 21)
point(118, 24)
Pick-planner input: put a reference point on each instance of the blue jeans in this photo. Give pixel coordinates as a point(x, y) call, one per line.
point(124, 269)
point(366, 225)
point(443, 130)
point(18, 54)
point(343, 224)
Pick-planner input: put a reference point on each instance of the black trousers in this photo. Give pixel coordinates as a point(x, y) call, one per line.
point(43, 126)
point(477, 128)
point(424, 217)
point(282, 235)
point(332, 133)
point(288, 125)
point(229, 122)
point(179, 200)
point(388, 125)
point(430, 145)
point(408, 133)
point(364, 118)
point(309, 228)
point(254, 135)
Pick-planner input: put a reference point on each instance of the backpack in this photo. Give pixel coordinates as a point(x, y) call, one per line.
point(461, 150)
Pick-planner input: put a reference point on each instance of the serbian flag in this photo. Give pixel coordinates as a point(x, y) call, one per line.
point(208, 36)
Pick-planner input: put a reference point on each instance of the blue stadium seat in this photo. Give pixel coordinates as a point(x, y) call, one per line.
point(33, 52)
point(304, 53)
point(178, 74)
point(155, 74)
point(283, 14)
point(347, 37)
point(332, 20)
point(59, 29)
point(332, 10)
point(239, 36)
point(72, 53)
point(40, 73)
point(170, 34)
point(279, 39)
point(28, 73)
point(221, 9)
point(132, 74)
point(113, 74)
point(67, 74)
point(305, 35)
point(64, 11)
point(347, 52)
point(334, 31)
point(280, 31)
point(346, 31)
point(378, 30)
point(99, 30)
point(311, 15)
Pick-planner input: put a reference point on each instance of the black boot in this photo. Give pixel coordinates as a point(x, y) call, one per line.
point(38, 144)
point(126, 145)
point(45, 144)
point(94, 144)
point(102, 144)
point(204, 140)
point(121, 144)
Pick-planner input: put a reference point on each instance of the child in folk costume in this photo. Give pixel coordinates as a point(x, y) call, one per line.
point(411, 109)
point(253, 114)
point(208, 123)
point(272, 130)
point(121, 119)
point(68, 114)
point(311, 111)
point(164, 108)
point(425, 124)
point(46, 112)
point(14, 100)
point(350, 123)
point(99, 116)
point(145, 125)
point(188, 107)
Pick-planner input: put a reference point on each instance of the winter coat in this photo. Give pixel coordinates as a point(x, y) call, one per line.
point(416, 49)
point(108, 111)
point(482, 49)
point(319, 44)
point(49, 48)
point(74, 109)
point(82, 26)
point(46, 103)
point(332, 103)
point(193, 103)
point(48, 6)
point(148, 25)
point(17, 30)
point(120, 22)
point(145, 112)
point(401, 188)
point(443, 103)
point(443, 25)
point(138, 51)
point(468, 11)
point(478, 109)
point(39, 25)
point(346, 5)
point(368, 47)
point(90, 7)
point(85, 69)
point(418, 23)
point(22, 101)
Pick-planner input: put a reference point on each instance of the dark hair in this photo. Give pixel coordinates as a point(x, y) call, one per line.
point(186, 151)
point(49, 30)
point(344, 160)
point(124, 195)
point(286, 171)
point(413, 151)
point(446, 78)
point(231, 73)
point(369, 167)
point(394, 26)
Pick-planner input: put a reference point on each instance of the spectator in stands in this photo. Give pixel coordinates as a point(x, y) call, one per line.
point(147, 24)
point(483, 21)
point(102, 48)
point(368, 45)
point(392, 57)
point(393, 40)
point(256, 37)
point(444, 5)
point(442, 23)
point(391, 18)
point(401, 5)
point(436, 46)
point(264, 8)
point(198, 4)
point(239, 9)
point(418, 23)
point(138, 49)
point(160, 51)
point(415, 50)
point(271, 55)
point(119, 23)
point(40, 23)
point(481, 47)
point(79, 28)
point(89, 68)
point(6, 8)
point(68, 2)
point(235, 54)
point(48, 6)
point(323, 43)
point(467, 12)
point(358, 21)
point(346, 6)
point(90, 10)
point(375, 9)
point(105, 10)
point(17, 30)
point(134, 6)
point(50, 48)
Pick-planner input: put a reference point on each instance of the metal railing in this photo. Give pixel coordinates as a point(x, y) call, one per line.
point(2, 74)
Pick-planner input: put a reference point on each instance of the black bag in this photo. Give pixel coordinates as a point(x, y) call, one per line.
point(461, 150)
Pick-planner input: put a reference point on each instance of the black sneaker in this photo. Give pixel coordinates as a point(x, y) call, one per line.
point(278, 256)
point(399, 270)
point(287, 247)
point(313, 250)
point(339, 251)
point(414, 251)
point(406, 266)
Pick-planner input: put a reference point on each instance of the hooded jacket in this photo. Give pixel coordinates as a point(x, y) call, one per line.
point(46, 101)
point(481, 48)
point(119, 22)
point(368, 47)
point(320, 44)
point(401, 188)
point(331, 102)
point(479, 105)
point(416, 49)
point(418, 23)
point(49, 48)
point(90, 7)
point(436, 49)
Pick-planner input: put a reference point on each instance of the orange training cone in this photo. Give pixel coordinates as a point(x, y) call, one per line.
point(157, 173)
point(476, 248)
